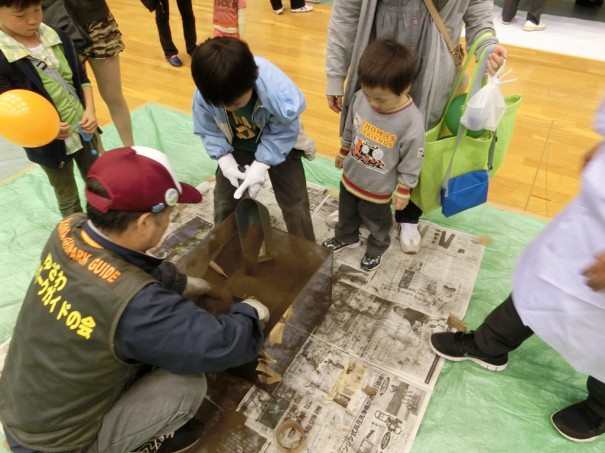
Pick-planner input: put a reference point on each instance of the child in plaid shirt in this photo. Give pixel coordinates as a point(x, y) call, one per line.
point(39, 58)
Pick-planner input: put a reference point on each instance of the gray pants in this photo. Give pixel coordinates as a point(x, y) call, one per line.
point(156, 404)
point(534, 10)
point(353, 211)
point(290, 188)
point(64, 182)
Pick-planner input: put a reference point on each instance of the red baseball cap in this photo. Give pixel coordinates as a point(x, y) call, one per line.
point(138, 179)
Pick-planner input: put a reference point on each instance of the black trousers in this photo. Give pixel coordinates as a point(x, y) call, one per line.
point(534, 10)
point(162, 20)
point(294, 4)
point(503, 331)
point(410, 214)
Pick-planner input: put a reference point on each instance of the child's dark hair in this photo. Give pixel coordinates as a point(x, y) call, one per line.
point(387, 64)
point(19, 4)
point(223, 69)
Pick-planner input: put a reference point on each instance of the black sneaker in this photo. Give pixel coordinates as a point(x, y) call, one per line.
point(370, 262)
point(579, 422)
point(459, 346)
point(335, 245)
point(180, 440)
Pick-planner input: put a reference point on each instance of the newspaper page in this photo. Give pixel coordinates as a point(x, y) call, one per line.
point(338, 403)
point(362, 380)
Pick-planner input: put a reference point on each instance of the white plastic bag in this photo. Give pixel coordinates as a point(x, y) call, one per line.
point(485, 108)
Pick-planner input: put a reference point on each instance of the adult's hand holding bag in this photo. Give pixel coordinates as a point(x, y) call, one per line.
point(486, 107)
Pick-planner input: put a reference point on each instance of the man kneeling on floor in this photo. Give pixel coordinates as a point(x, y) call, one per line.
point(108, 354)
point(558, 294)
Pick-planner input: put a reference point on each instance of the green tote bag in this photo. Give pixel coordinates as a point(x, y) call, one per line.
point(473, 151)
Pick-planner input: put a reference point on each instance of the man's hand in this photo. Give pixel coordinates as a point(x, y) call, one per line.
point(230, 169)
point(254, 178)
point(339, 161)
point(595, 273)
point(261, 310)
point(211, 298)
point(335, 103)
point(196, 287)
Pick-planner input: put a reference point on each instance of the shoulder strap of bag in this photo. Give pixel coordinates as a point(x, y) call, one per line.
point(461, 73)
point(55, 75)
point(476, 85)
point(455, 50)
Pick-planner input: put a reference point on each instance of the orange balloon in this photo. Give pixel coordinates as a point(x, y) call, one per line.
point(27, 118)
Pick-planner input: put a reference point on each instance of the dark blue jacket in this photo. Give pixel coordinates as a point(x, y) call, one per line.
point(159, 327)
point(22, 74)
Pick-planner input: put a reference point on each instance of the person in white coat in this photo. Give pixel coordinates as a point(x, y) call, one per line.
point(559, 281)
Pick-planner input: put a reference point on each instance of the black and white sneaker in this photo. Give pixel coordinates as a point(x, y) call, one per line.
point(459, 346)
point(335, 245)
point(370, 262)
point(579, 422)
point(178, 441)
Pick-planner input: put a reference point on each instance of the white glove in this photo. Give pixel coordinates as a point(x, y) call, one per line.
point(196, 287)
point(261, 310)
point(255, 177)
point(230, 170)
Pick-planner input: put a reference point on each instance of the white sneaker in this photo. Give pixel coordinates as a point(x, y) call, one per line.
point(303, 9)
point(530, 26)
point(409, 238)
point(332, 219)
point(278, 11)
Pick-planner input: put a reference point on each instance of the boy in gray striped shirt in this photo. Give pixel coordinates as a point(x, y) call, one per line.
point(382, 150)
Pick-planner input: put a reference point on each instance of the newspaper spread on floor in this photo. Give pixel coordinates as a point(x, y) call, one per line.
point(363, 379)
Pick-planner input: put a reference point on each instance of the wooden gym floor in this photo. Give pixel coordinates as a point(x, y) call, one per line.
point(554, 123)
